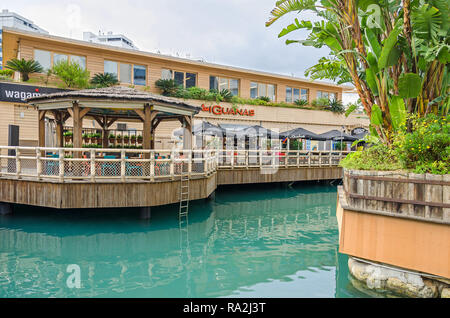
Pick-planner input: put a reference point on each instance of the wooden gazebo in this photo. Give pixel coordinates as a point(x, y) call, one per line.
point(106, 106)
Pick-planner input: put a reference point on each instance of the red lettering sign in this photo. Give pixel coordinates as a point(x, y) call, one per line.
point(219, 110)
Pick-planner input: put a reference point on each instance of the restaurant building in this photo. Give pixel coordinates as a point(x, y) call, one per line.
point(141, 70)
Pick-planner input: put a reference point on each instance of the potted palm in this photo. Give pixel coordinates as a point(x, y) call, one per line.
point(139, 139)
point(133, 139)
point(126, 139)
point(24, 67)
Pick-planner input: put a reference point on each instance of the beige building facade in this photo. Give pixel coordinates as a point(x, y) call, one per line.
point(141, 70)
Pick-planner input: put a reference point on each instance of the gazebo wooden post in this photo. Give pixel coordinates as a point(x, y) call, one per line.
point(187, 138)
point(148, 129)
point(59, 128)
point(77, 127)
point(41, 128)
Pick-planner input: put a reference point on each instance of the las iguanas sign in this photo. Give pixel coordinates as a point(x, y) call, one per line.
point(219, 110)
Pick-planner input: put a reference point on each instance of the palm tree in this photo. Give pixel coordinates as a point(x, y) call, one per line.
point(24, 67)
point(104, 80)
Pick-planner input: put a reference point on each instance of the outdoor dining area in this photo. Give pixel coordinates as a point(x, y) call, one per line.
point(242, 145)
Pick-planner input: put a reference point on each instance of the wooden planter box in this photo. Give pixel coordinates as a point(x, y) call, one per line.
point(419, 195)
point(396, 218)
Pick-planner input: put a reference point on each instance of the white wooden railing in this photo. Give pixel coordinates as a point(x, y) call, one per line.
point(95, 165)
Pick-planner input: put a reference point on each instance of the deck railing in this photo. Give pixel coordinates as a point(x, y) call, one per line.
point(279, 158)
point(95, 165)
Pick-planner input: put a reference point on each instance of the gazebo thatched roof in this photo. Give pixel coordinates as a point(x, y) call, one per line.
point(115, 96)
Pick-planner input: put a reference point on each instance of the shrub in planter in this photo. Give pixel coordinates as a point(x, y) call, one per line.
point(133, 139)
point(112, 138)
point(68, 135)
point(119, 139)
point(86, 138)
point(140, 139)
point(126, 139)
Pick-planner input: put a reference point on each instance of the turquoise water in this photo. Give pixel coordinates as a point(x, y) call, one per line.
point(251, 241)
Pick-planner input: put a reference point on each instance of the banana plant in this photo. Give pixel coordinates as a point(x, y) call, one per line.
point(394, 52)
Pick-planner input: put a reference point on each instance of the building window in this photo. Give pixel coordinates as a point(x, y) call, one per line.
point(191, 80)
point(288, 94)
point(111, 67)
point(44, 58)
point(262, 90)
point(59, 57)
point(304, 94)
point(220, 83)
point(80, 60)
point(333, 96)
point(184, 79)
point(178, 77)
point(166, 74)
point(125, 73)
point(139, 75)
point(253, 90)
point(321, 94)
point(295, 94)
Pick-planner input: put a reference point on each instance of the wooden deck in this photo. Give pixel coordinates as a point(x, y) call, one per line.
point(104, 178)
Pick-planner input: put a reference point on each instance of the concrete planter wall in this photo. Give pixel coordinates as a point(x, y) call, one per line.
point(400, 221)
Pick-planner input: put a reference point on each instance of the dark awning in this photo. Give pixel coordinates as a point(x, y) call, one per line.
point(337, 135)
point(203, 129)
point(300, 133)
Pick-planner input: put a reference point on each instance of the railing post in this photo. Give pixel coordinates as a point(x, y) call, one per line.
point(172, 165)
point(122, 165)
point(152, 165)
point(309, 158)
point(298, 158)
point(18, 166)
point(320, 158)
point(38, 164)
point(247, 159)
point(61, 164)
point(331, 158)
point(260, 158)
point(92, 172)
point(190, 163)
point(232, 159)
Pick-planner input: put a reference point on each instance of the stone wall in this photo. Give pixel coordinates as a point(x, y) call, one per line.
point(398, 281)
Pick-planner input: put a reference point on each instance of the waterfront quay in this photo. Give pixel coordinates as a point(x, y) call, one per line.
point(146, 178)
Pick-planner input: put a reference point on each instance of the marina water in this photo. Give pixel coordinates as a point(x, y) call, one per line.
point(250, 241)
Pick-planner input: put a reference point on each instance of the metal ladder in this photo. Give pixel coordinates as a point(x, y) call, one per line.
point(184, 195)
point(183, 213)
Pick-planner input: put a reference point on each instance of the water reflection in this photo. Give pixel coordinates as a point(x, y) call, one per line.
point(251, 242)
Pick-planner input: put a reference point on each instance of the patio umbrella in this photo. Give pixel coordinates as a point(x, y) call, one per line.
point(203, 129)
point(300, 133)
point(337, 135)
point(259, 131)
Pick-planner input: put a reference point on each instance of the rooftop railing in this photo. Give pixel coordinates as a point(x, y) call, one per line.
point(126, 165)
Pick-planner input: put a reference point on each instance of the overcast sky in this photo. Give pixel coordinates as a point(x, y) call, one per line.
point(230, 32)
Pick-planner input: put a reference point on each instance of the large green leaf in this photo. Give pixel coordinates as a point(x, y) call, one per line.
point(373, 41)
point(297, 25)
point(376, 117)
point(409, 85)
point(389, 44)
point(371, 81)
point(397, 111)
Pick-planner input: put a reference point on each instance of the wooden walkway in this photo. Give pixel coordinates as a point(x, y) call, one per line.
point(68, 178)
